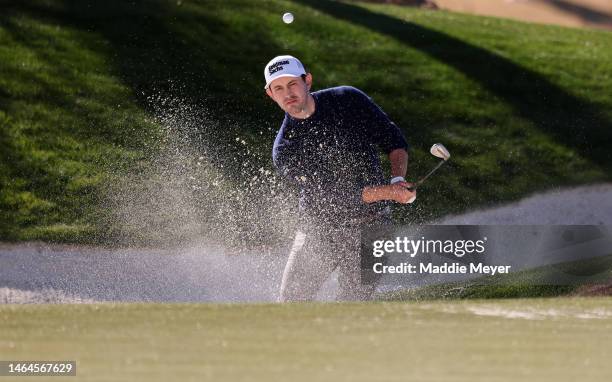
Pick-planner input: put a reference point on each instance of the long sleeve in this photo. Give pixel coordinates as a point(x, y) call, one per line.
point(384, 133)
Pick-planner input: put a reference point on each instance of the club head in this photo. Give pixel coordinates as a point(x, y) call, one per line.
point(438, 150)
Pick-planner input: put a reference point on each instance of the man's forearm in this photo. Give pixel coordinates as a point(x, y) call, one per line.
point(399, 162)
point(395, 192)
point(371, 194)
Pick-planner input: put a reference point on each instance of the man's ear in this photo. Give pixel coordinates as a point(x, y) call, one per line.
point(308, 80)
point(269, 92)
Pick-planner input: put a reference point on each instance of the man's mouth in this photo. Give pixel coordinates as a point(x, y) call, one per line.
point(291, 101)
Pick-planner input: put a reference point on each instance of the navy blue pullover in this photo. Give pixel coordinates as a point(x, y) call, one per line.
point(333, 154)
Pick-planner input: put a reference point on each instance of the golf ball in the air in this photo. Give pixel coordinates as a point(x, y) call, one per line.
point(288, 18)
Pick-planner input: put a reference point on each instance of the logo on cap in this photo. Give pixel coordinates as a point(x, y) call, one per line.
point(283, 66)
point(277, 66)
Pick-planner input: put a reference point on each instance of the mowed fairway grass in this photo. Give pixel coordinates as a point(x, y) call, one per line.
point(560, 339)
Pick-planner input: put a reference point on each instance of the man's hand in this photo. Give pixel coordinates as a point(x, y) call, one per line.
point(397, 192)
point(404, 195)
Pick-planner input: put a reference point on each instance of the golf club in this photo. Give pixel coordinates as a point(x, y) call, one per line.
point(437, 150)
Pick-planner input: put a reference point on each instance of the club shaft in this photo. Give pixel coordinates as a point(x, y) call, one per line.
point(418, 183)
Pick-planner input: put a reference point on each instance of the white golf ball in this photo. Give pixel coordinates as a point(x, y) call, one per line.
point(288, 18)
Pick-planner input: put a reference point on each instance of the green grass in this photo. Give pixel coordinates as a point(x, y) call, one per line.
point(521, 107)
point(67, 121)
point(544, 340)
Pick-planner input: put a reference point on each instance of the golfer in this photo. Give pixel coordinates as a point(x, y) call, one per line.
point(328, 147)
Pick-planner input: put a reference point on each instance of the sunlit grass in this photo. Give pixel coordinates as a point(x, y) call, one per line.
point(75, 77)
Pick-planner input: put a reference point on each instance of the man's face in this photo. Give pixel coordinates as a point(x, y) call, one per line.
point(290, 93)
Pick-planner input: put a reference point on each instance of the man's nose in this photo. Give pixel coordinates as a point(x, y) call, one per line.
point(288, 94)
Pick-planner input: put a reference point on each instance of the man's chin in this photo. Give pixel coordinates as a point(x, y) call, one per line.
point(293, 109)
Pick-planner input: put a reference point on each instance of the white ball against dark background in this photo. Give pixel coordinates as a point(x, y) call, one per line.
point(288, 18)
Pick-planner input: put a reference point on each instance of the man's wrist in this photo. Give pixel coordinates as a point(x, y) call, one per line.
point(397, 179)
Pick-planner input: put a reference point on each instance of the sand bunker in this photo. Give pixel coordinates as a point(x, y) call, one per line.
point(42, 273)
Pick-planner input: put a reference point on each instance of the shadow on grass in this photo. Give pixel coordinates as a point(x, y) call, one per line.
point(39, 178)
point(176, 55)
point(186, 53)
point(572, 121)
point(180, 55)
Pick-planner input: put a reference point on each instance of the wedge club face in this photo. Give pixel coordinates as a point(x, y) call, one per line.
point(438, 150)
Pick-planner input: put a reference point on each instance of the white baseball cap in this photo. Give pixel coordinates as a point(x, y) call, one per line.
point(283, 66)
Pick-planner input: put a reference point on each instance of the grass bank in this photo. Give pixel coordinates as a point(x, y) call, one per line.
point(83, 83)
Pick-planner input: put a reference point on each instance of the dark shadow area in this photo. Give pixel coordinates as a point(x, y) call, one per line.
point(570, 120)
point(589, 15)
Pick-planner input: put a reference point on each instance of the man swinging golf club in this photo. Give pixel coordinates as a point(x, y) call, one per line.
point(328, 146)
